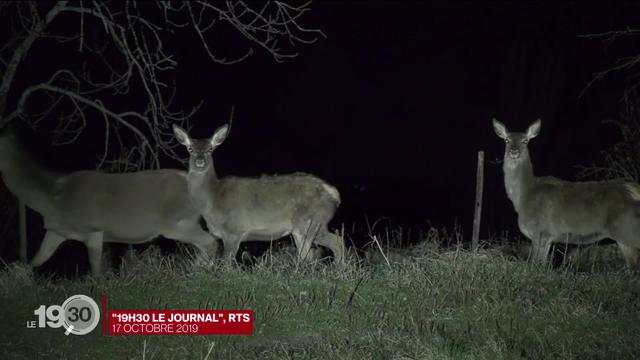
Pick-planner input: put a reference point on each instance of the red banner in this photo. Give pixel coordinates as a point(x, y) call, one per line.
point(180, 322)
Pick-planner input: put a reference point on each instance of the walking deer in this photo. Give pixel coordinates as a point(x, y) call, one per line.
point(551, 210)
point(264, 208)
point(95, 207)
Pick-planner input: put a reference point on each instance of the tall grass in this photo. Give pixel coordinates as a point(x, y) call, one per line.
point(426, 302)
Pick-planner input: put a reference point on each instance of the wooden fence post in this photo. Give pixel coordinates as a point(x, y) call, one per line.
point(475, 240)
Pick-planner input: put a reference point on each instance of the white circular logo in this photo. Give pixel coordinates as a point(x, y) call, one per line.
point(81, 315)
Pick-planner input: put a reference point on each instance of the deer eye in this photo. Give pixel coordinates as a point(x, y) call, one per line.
point(525, 141)
point(507, 140)
point(189, 149)
point(210, 149)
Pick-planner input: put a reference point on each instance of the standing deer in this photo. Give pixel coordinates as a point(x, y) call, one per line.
point(95, 207)
point(551, 210)
point(264, 208)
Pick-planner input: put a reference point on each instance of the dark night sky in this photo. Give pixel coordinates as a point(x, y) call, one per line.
point(394, 104)
point(398, 100)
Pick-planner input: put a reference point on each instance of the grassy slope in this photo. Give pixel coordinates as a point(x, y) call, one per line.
point(431, 306)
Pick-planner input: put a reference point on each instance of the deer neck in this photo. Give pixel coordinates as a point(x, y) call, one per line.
point(518, 178)
point(29, 182)
point(200, 184)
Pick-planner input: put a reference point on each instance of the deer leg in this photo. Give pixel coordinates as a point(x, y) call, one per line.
point(303, 247)
point(316, 252)
point(560, 251)
point(49, 245)
point(540, 249)
point(570, 254)
point(631, 256)
point(206, 243)
point(230, 248)
point(94, 244)
point(334, 243)
point(208, 251)
point(303, 238)
point(579, 241)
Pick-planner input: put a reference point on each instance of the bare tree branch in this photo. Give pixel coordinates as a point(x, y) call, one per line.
point(34, 31)
point(622, 159)
point(622, 64)
point(263, 27)
point(129, 60)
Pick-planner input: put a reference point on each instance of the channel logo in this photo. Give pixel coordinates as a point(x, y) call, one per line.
point(78, 315)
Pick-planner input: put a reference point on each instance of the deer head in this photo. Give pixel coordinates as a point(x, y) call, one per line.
point(200, 150)
point(516, 142)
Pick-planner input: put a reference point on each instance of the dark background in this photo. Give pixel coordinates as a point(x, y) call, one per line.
point(393, 106)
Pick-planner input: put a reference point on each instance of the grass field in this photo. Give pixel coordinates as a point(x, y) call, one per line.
point(424, 303)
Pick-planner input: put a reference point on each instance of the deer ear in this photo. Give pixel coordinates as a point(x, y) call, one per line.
point(181, 135)
point(219, 136)
point(500, 129)
point(534, 129)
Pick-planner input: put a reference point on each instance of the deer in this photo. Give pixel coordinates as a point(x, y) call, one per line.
point(551, 210)
point(95, 207)
point(262, 208)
